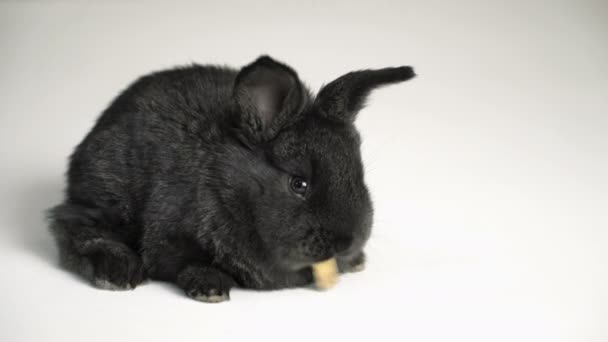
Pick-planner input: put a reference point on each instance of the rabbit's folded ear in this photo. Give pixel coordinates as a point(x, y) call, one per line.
point(269, 96)
point(342, 99)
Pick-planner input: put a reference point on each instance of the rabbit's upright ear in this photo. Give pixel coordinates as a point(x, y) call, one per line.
point(269, 96)
point(342, 99)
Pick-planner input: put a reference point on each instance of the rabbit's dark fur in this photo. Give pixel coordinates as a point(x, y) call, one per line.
point(195, 176)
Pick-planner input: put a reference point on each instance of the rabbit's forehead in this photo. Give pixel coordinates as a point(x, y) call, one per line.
point(333, 140)
point(335, 152)
point(317, 141)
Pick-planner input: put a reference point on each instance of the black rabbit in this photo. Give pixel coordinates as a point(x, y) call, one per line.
point(211, 178)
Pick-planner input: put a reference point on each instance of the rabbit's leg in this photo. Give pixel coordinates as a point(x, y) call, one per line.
point(354, 263)
point(204, 283)
point(185, 262)
point(90, 249)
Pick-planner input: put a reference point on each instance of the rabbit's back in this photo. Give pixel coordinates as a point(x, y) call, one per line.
point(151, 133)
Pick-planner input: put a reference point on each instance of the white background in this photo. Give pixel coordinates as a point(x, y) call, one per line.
point(489, 171)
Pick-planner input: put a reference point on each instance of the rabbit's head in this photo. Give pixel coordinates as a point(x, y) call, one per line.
point(297, 170)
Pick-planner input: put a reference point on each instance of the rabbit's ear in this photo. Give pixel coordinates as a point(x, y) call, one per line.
point(269, 96)
point(342, 99)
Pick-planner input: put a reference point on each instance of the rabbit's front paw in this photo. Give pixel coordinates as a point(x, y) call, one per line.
point(205, 284)
point(209, 295)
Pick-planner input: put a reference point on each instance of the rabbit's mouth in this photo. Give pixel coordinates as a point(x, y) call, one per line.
point(316, 246)
point(296, 263)
point(320, 244)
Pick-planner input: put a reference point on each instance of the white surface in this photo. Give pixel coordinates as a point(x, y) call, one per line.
point(488, 171)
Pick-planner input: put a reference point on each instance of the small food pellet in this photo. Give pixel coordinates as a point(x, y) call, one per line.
point(325, 273)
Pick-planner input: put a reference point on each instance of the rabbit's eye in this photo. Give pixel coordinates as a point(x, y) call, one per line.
point(299, 185)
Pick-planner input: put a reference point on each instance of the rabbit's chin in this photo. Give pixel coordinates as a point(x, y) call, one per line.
point(298, 264)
